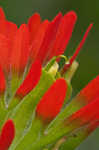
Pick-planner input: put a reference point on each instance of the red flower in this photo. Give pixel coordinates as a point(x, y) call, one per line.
point(23, 53)
point(35, 41)
point(7, 135)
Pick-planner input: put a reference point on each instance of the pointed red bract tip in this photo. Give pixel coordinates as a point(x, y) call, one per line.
point(81, 44)
point(65, 68)
point(2, 15)
point(7, 135)
point(33, 24)
point(90, 92)
point(31, 80)
point(51, 103)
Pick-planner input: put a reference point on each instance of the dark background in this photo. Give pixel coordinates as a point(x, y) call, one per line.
point(87, 11)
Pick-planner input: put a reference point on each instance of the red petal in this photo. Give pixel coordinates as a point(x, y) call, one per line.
point(4, 52)
point(3, 27)
point(31, 79)
point(38, 39)
point(8, 29)
point(7, 135)
point(86, 114)
point(11, 29)
point(2, 15)
point(90, 92)
point(51, 103)
point(33, 24)
point(20, 49)
point(64, 33)
point(2, 81)
point(49, 38)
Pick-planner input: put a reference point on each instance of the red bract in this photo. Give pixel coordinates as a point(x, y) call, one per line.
point(81, 44)
point(86, 114)
point(7, 135)
point(38, 39)
point(55, 37)
point(49, 38)
point(94, 123)
point(51, 103)
point(90, 92)
point(34, 24)
point(20, 49)
point(4, 52)
point(63, 34)
point(2, 15)
point(77, 50)
point(31, 80)
point(7, 28)
point(88, 101)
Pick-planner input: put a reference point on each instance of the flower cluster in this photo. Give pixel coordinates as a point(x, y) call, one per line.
point(35, 108)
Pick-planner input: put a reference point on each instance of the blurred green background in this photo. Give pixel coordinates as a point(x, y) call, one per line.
point(87, 11)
